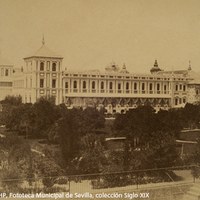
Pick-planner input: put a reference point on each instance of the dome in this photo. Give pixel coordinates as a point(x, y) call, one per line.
point(155, 68)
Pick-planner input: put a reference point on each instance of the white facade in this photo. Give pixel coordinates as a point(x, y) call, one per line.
point(115, 89)
point(119, 90)
point(41, 76)
point(6, 78)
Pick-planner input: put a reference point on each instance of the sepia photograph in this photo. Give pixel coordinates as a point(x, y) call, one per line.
point(100, 99)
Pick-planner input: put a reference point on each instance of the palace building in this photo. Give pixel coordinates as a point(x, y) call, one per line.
point(6, 77)
point(115, 89)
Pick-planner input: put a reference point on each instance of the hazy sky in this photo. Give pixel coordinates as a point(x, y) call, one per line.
point(90, 34)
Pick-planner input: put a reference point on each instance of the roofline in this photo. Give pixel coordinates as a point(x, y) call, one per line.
point(11, 65)
point(43, 57)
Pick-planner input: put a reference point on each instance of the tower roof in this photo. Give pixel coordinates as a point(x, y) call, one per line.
point(44, 51)
point(155, 67)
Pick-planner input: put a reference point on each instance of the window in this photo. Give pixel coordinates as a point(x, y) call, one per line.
point(93, 84)
point(176, 101)
point(176, 87)
point(75, 84)
point(150, 86)
point(119, 86)
point(158, 87)
point(54, 83)
point(135, 86)
point(111, 86)
point(6, 72)
point(66, 85)
point(48, 65)
point(6, 84)
point(102, 85)
point(127, 86)
point(143, 86)
point(184, 87)
point(84, 84)
point(180, 87)
point(165, 87)
point(41, 83)
point(41, 66)
point(54, 67)
point(2, 72)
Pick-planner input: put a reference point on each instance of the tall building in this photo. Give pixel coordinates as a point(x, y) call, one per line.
point(6, 77)
point(115, 89)
point(41, 76)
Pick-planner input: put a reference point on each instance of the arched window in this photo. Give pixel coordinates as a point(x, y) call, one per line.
point(75, 84)
point(102, 85)
point(6, 72)
point(158, 86)
point(54, 83)
point(143, 86)
point(119, 86)
point(93, 85)
point(176, 101)
point(127, 86)
point(135, 86)
point(84, 84)
point(111, 86)
point(54, 67)
point(150, 86)
point(41, 66)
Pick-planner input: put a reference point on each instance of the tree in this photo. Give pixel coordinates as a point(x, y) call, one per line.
point(151, 134)
point(93, 159)
point(12, 100)
point(11, 179)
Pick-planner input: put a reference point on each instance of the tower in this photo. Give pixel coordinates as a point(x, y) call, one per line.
point(43, 75)
point(155, 68)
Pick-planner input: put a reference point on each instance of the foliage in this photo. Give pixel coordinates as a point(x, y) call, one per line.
point(69, 131)
point(48, 169)
point(156, 133)
point(11, 179)
point(92, 154)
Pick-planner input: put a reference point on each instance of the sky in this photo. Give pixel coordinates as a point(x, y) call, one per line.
point(90, 34)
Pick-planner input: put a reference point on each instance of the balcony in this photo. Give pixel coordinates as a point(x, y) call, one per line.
point(102, 91)
point(119, 91)
point(75, 90)
point(84, 90)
